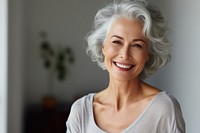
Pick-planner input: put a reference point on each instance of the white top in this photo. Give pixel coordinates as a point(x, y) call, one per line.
point(162, 115)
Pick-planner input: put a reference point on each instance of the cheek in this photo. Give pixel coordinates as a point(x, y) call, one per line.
point(142, 58)
point(109, 51)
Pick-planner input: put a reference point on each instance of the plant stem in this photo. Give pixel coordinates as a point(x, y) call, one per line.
point(50, 82)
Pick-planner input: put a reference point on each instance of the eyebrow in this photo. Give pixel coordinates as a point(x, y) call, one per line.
point(118, 37)
point(134, 40)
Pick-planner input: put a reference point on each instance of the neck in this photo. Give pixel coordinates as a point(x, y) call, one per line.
point(122, 93)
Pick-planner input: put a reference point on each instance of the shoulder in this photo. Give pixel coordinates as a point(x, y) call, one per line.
point(82, 103)
point(170, 112)
point(167, 102)
point(80, 109)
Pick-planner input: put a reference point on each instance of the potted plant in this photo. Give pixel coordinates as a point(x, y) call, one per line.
point(56, 60)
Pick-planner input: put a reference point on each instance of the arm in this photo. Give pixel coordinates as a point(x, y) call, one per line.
point(179, 123)
point(172, 119)
point(73, 122)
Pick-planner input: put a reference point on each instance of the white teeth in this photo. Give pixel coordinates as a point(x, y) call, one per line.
point(123, 66)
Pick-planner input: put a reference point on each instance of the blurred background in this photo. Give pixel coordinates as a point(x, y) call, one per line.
point(48, 68)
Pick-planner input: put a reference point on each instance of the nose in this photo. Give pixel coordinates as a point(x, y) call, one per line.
point(124, 53)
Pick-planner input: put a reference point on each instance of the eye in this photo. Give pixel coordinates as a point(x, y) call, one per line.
point(116, 42)
point(137, 45)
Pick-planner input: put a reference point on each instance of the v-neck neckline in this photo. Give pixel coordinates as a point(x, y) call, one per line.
point(136, 121)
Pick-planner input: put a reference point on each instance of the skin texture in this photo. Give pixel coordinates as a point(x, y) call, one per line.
point(126, 51)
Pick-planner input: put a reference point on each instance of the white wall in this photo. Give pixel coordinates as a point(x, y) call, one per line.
point(182, 76)
point(3, 66)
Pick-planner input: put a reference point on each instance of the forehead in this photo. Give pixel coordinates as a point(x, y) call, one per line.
point(126, 27)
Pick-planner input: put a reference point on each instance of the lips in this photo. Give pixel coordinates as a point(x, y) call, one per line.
point(123, 66)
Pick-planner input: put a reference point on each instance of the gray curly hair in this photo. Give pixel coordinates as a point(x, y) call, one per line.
point(155, 30)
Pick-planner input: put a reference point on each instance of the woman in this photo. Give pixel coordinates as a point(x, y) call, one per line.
point(129, 40)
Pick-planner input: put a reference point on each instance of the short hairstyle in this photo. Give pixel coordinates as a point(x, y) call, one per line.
point(155, 30)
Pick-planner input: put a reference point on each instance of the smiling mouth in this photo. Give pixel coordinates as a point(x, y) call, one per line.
point(123, 66)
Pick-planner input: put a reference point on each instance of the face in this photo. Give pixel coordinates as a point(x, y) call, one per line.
point(125, 49)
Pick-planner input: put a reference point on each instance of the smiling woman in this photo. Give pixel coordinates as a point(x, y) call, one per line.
point(129, 40)
point(125, 50)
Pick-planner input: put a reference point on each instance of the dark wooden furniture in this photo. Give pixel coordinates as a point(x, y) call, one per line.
point(40, 120)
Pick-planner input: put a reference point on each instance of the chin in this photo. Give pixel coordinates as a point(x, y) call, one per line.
point(124, 78)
